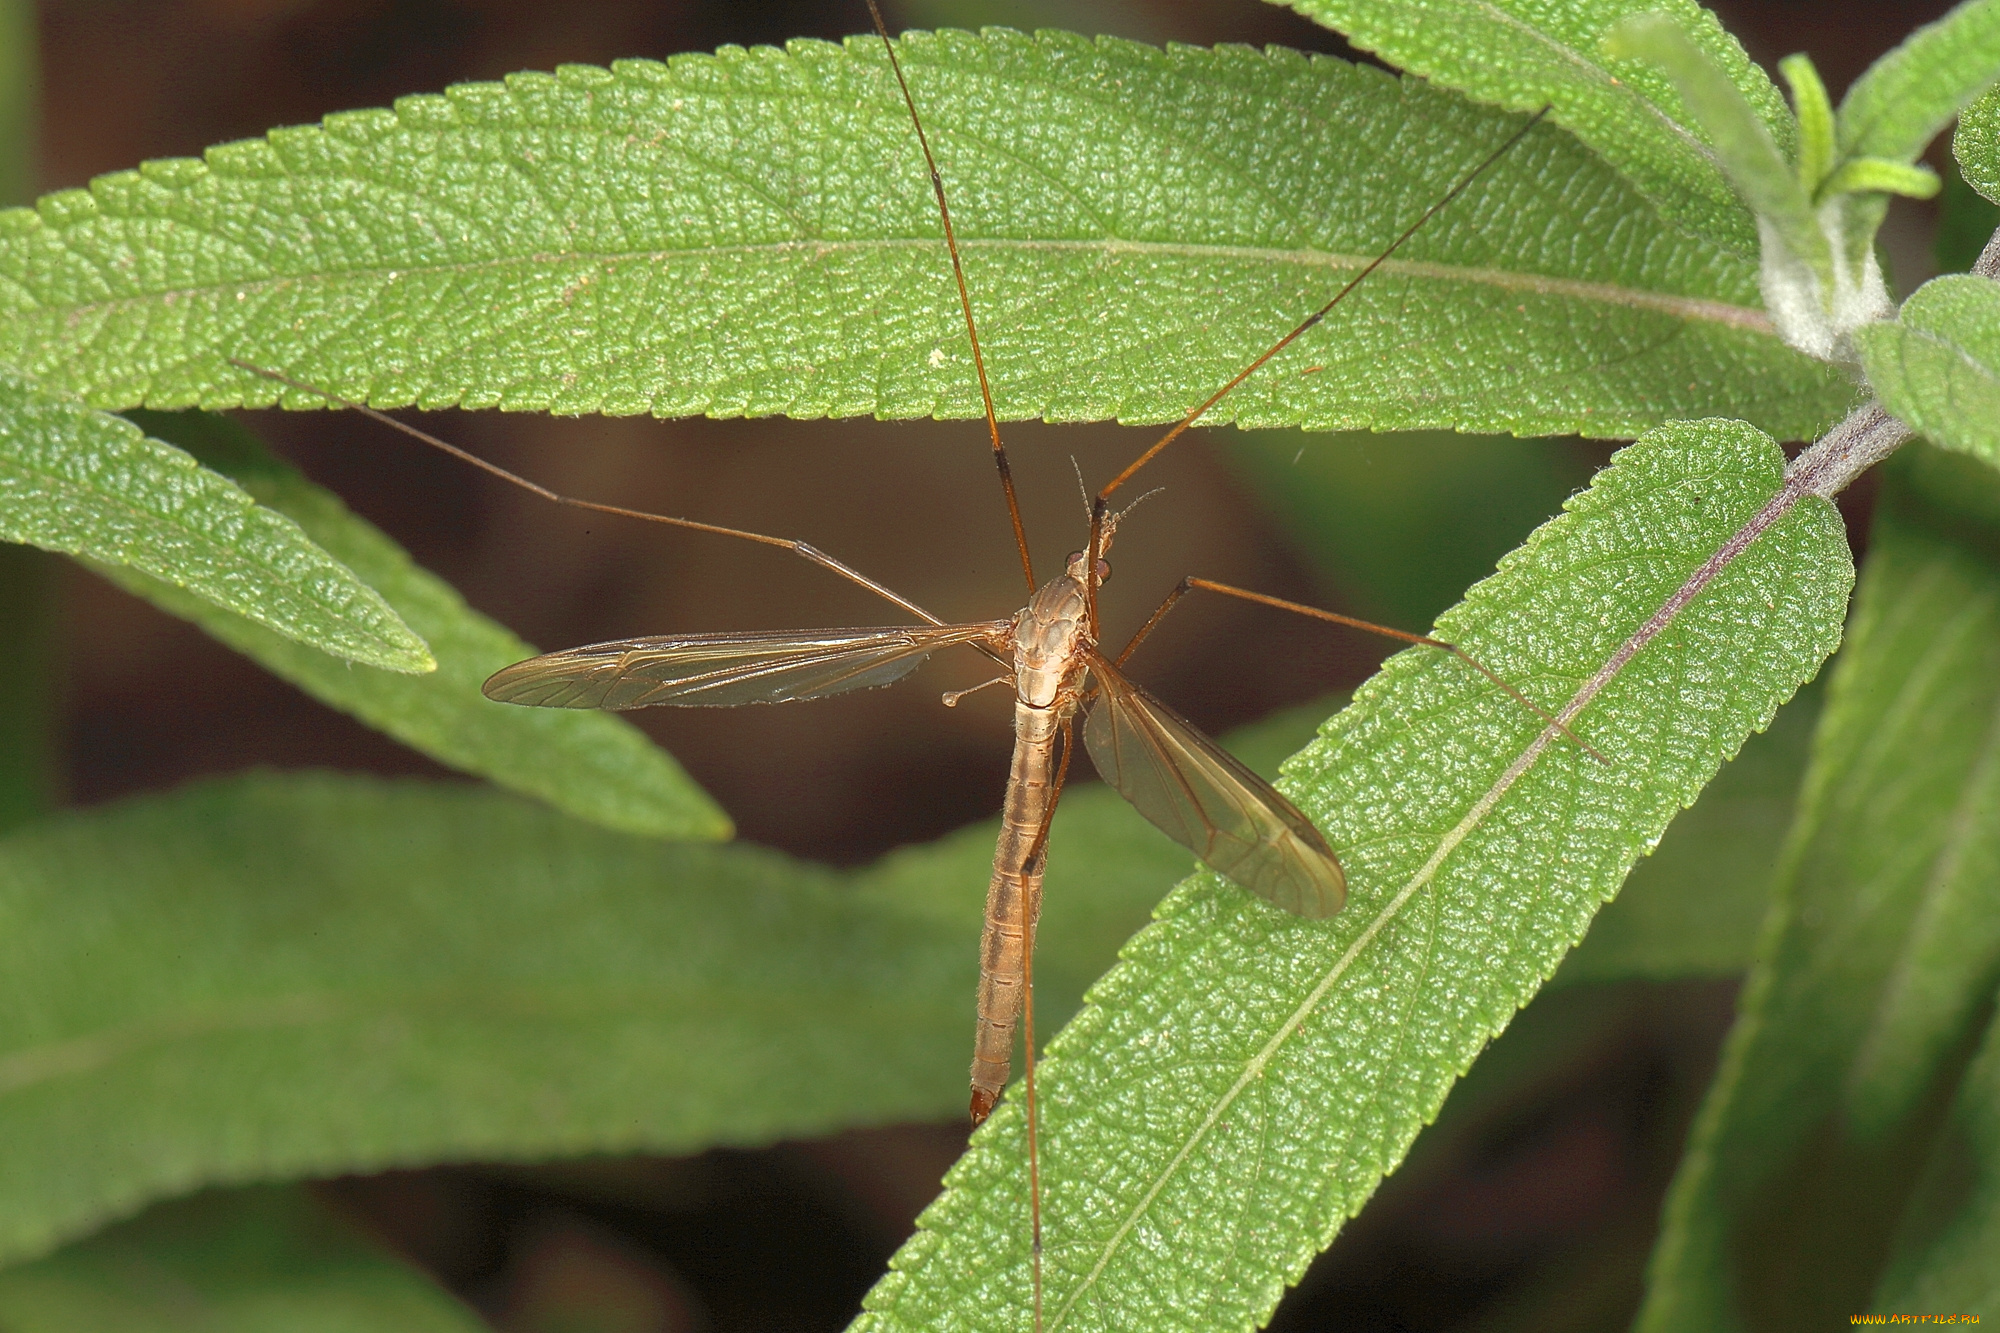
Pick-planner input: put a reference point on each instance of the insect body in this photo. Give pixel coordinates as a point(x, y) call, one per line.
point(1174, 775)
point(1050, 636)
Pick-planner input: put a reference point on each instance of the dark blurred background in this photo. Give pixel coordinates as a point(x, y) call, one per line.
point(1537, 1210)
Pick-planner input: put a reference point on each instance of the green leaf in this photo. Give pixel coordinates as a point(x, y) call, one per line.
point(243, 1261)
point(79, 481)
point(1937, 365)
point(1880, 967)
point(752, 233)
point(1907, 97)
point(593, 765)
point(1975, 146)
point(275, 976)
point(1695, 907)
point(1943, 1258)
point(1744, 146)
point(1813, 109)
point(1521, 54)
point(1239, 1084)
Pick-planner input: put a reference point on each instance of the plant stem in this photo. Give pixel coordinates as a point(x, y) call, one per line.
point(1865, 438)
point(1869, 434)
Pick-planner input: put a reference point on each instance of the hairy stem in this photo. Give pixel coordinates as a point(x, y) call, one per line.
point(1869, 434)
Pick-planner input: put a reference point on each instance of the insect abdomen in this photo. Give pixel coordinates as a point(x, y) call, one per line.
point(1003, 946)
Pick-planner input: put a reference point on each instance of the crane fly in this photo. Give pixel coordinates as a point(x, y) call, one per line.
point(1181, 781)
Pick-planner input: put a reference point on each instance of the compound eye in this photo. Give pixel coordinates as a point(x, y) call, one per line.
point(1104, 571)
point(1072, 558)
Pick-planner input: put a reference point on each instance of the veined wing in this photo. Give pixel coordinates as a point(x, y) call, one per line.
point(1207, 801)
point(720, 670)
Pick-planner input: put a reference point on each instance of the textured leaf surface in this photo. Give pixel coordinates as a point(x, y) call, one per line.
point(244, 1261)
point(1944, 1256)
point(1901, 102)
point(592, 765)
point(76, 480)
point(751, 233)
point(1241, 1082)
point(1521, 54)
point(1888, 952)
point(1976, 144)
point(1937, 364)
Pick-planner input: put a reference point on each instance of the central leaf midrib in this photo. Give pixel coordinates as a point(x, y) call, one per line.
point(1693, 308)
point(90, 1052)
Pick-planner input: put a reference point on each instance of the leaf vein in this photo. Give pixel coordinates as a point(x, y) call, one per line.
point(1589, 292)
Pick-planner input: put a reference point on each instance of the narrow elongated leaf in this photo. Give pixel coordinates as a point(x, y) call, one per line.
point(1902, 101)
point(1878, 975)
point(1937, 364)
point(272, 976)
point(1240, 1083)
point(1944, 1255)
point(547, 989)
point(1520, 54)
point(76, 480)
point(242, 1261)
point(593, 765)
point(752, 233)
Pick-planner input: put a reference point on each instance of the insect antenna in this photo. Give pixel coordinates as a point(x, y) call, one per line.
point(1113, 520)
point(964, 302)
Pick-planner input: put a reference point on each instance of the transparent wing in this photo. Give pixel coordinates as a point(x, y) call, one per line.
point(721, 670)
point(1207, 801)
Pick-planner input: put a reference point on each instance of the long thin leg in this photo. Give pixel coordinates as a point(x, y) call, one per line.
point(799, 548)
point(1191, 582)
point(1038, 850)
point(964, 302)
point(1103, 499)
